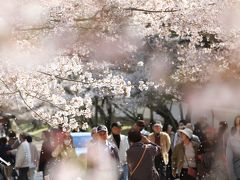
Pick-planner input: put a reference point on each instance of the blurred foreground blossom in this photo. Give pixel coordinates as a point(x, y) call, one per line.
point(96, 164)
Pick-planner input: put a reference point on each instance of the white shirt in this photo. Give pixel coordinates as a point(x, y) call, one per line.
point(23, 156)
point(124, 146)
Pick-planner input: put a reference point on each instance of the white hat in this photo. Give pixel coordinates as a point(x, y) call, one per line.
point(158, 124)
point(188, 132)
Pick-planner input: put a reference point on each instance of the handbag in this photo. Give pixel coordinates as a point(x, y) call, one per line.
point(191, 171)
point(139, 162)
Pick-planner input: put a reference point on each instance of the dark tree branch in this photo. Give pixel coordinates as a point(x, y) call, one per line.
point(150, 11)
point(5, 84)
point(125, 112)
point(163, 111)
point(181, 110)
point(89, 18)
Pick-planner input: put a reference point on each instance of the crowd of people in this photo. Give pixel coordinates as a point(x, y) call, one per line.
point(192, 152)
point(19, 157)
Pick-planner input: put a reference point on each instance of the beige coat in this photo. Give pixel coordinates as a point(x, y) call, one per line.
point(165, 144)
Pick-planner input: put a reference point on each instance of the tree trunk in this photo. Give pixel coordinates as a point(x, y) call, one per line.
point(181, 111)
point(102, 113)
point(128, 113)
point(163, 111)
point(213, 117)
point(108, 120)
point(96, 111)
point(189, 114)
point(151, 119)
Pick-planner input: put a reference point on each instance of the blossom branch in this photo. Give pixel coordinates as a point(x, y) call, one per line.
point(24, 101)
point(5, 84)
point(45, 101)
point(62, 78)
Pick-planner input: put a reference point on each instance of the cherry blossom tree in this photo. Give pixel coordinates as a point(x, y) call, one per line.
point(58, 55)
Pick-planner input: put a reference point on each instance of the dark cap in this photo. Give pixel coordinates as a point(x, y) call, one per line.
point(116, 124)
point(102, 128)
point(140, 123)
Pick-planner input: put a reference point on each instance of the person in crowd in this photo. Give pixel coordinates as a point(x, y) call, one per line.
point(236, 126)
point(233, 152)
point(23, 157)
point(171, 134)
point(34, 158)
point(185, 157)
point(177, 138)
point(94, 135)
point(208, 150)
point(45, 154)
point(64, 155)
point(11, 137)
point(214, 156)
point(140, 126)
point(140, 158)
point(14, 143)
point(13, 140)
point(2, 130)
point(102, 132)
point(121, 142)
point(222, 138)
point(6, 156)
point(194, 137)
point(169, 166)
point(66, 150)
point(199, 129)
point(56, 136)
point(162, 139)
point(103, 147)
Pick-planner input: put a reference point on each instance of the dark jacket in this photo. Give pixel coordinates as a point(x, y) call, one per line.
point(45, 155)
point(4, 155)
point(178, 157)
point(146, 169)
